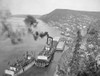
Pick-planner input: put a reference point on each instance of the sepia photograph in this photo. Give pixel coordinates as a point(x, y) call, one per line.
point(49, 37)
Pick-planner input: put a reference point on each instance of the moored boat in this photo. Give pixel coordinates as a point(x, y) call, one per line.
point(20, 66)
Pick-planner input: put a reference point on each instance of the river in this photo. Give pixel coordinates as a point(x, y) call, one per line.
point(9, 52)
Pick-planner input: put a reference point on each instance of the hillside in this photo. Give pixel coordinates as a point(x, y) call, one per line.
point(70, 17)
point(64, 19)
point(73, 61)
point(62, 13)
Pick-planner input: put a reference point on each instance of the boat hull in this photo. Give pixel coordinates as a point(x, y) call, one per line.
point(23, 70)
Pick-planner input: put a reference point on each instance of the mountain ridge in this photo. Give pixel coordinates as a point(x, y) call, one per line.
point(64, 12)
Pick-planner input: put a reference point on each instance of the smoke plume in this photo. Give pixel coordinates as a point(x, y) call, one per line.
point(5, 4)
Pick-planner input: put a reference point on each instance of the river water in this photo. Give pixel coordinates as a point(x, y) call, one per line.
point(9, 52)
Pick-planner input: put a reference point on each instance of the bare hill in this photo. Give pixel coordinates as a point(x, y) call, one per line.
point(65, 18)
point(61, 13)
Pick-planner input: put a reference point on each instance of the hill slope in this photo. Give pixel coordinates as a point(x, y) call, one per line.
point(71, 17)
point(59, 13)
point(64, 18)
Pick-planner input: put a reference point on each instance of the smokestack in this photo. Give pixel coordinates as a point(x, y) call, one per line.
point(44, 34)
point(41, 35)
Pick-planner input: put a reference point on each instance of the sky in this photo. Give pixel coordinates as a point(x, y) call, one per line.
point(40, 7)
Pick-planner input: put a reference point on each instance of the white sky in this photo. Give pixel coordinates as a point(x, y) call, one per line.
point(46, 6)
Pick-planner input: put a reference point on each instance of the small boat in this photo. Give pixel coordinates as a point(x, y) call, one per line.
point(60, 46)
point(20, 66)
point(45, 57)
